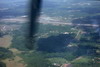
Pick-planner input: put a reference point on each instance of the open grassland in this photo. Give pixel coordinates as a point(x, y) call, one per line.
point(5, 41)
point(14, 62)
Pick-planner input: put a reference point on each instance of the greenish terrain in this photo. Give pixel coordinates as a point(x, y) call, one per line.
point(67, 33)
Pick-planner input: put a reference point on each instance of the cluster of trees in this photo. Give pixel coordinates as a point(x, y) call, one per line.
point(54, 43)
point(36, 59)
point(89, 41)
point(62, 48)
point(2, 64)
point(21, 39)
point(4, 54)
point(47, 46)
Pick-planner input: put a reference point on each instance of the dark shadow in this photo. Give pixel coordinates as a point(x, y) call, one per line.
point(54, 43)
point(2, 64)
point(5, 53)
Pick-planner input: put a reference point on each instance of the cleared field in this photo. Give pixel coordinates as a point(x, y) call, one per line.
point(14, 62)
point(5, 41)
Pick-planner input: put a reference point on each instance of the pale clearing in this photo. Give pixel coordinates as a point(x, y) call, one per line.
point(5, 41)
point(14, 62)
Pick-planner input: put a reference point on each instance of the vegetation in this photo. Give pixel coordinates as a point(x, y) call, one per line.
point(36, 59)
point(60, 48)
point(2, 64)
point(56, 44)
point(58, 61)
point(5, 53)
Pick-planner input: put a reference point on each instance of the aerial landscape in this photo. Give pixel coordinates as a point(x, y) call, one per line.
point(67, 34)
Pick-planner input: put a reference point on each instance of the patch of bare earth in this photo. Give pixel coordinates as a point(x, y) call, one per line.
point(15, 51)
point(17, 61)
point(5, 41)
point(67, 65)
point(14, 62)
